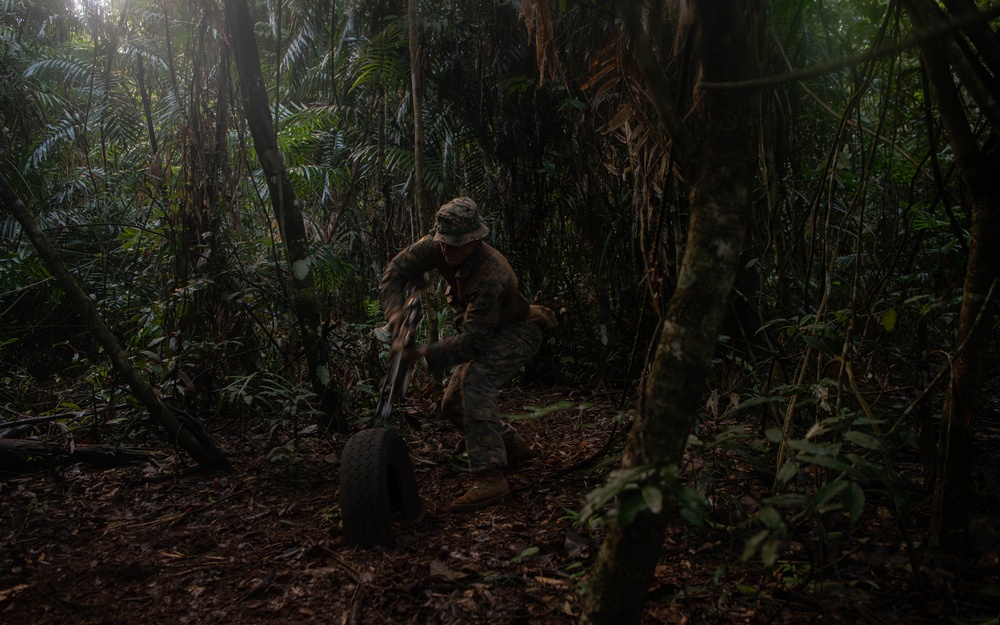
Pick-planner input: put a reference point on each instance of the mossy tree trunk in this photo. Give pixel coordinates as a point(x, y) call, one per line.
point(725, 40)
point(287, 210)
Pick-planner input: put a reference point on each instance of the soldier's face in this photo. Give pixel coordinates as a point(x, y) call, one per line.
point(455, 256)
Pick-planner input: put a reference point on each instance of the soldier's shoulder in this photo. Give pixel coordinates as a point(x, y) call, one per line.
point(498, 262)
point(494, 264)
point(425, 241)
point(424, 246)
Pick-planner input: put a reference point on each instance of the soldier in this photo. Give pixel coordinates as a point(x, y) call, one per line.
point(498, 332)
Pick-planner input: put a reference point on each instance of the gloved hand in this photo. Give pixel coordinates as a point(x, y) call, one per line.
point(413, 353)
point(542, 316)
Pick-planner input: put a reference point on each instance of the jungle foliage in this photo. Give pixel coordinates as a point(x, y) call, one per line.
point(121, 130)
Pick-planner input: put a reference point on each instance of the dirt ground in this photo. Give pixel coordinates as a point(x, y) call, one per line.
point(263, 545)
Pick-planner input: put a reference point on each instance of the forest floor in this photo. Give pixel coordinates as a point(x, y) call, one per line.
point(262, 544)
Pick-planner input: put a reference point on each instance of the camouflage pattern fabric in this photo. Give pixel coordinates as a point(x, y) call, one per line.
point(470, 400)
point(482, 292)
point(458, 222)
point(495, 338)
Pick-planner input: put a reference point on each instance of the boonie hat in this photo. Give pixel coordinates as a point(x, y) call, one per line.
point(458, 222)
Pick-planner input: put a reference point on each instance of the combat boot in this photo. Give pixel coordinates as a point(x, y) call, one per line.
point(489, 488)
point(518, 452)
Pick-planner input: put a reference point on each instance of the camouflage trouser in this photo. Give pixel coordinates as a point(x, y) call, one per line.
point(470, 401)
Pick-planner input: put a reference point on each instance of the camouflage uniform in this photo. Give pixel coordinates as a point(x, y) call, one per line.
point(495, 337)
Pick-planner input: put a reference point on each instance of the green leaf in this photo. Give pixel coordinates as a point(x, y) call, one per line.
point(787, 499)
point(152, 356)
point(526, 553)
point(828, 462)
point(854, 501)
point(770, 550)
point(618, 481)
point(653, 498)
point(866, 421)
point(828, 492)
point(889, 319)
point(863, 440)
point(787, 471)
point(827, 449)
point(629, 508)
point(752, 544)
point(816, 344)
point(770, 517)
point(537, 412)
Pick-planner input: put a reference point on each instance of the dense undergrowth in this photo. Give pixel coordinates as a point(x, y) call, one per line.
point(123, 133)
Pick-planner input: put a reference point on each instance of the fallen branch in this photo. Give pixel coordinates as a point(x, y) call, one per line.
point(23, 420)
point(26, 456)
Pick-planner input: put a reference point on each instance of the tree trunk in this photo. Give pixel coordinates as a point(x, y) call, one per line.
point(725, 44)
point(146, 108)
point(953, 473)
point(183, 430)
point(287, 210)
point(421, 203)
point(425, 216)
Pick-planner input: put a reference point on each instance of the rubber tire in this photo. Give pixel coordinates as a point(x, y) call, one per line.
point(376, 477)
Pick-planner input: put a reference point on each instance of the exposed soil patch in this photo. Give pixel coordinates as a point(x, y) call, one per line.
point(262, 545)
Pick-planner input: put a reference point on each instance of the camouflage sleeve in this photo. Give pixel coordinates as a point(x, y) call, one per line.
point(480, 320)
point(406, 269)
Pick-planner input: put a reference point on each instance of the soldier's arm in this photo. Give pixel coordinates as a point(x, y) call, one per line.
point(406, 270)
point(480, 320)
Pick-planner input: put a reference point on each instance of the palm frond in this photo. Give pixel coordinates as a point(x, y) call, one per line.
point(63, 69)
point(380, 61)
point(65, 131)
